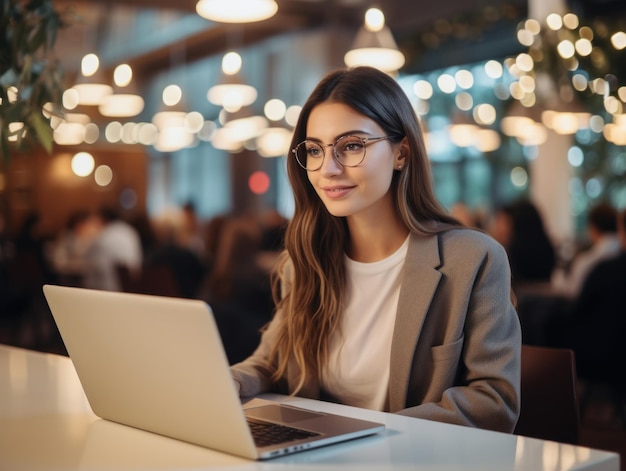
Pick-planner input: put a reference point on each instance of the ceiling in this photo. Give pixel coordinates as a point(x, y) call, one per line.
point(405, 18)
point(478, 29)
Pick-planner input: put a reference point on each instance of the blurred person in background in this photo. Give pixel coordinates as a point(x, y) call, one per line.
point(519, 227)
point(603, 243)
point(117, 244)
point(595, 331)
point(71, 245)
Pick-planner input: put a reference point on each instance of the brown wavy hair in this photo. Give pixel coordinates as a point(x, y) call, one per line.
point(309, 282)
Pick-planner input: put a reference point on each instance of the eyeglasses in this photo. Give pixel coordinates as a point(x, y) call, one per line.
point(349, 151)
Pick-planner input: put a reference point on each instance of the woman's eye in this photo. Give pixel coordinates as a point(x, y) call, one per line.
point(353, 146)
point(314, 152)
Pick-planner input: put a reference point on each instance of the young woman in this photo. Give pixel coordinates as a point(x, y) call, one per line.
point(383, 300)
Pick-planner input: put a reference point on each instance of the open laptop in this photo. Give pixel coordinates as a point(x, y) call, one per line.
point(158, 364)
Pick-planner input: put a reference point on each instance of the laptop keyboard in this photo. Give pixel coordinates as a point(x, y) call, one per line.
point(266, 434)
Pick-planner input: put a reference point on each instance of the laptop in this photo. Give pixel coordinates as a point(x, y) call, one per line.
point(158, 364)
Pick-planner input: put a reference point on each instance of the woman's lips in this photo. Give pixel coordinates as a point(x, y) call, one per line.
point(337, 191)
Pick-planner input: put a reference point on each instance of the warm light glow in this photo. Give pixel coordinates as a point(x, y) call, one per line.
point(446, 83)
point(464, 101)
point(121, 105)
point(113, 132)
point(533, 26)
point(92, 94)
point(493, 69)
point(487, 140)
point(194, 121)
point(274, 142)
point(580, 82)
point(583, 47)
point(69, 134)
point(463, 135)
point(565, 122)
point(566, 49)
point(15, 131)
point(82, 164)
point(103, 175)
point(570, 20)
point(172, 94)
point(70, 99)
point(89, 65)
point(92, 133)
point(275, 109)
point(423, 89)
point(618, 40)
point(12, 94)
point(226, 139)
point(174, 138)
point(236, 11)
point(525, 37)
point(231, 63)
point(388, 60)
point(147, 134)
point(519, 177)
point(247, 128)
point(524, 62)
point(232, 96)
point(374, 20)
point(485, 114)
point(374, 45)
point(464, 79)
point(292, 114)
point(122, 75)
point(515, 125)
point(554, 21)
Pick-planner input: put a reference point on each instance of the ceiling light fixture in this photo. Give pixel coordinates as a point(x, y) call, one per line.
point(374, 45)
point(232, 93)
point(122, 105)
point(91, 86)
point(236, 11)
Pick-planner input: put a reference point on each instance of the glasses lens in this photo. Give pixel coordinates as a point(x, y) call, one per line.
point(309, 155)
point(350, 150)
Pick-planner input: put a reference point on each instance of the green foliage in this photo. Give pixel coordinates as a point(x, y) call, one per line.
point(29, 76)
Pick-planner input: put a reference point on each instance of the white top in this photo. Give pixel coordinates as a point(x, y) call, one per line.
point(357, 373)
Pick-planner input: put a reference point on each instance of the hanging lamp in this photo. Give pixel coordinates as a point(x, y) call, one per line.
point(374, 45)
point(123, 103)
point(232, 93)
point(91, 86)
point(236, 11)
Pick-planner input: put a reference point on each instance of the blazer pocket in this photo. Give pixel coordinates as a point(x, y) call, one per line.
point(447, 351)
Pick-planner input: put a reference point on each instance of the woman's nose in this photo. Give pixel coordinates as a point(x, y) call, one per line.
point(330, 166)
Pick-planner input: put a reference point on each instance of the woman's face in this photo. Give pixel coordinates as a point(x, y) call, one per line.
point(351, 191)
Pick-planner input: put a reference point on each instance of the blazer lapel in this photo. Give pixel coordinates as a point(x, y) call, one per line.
point(419, 282)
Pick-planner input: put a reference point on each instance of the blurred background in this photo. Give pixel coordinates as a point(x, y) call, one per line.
point(143, 147)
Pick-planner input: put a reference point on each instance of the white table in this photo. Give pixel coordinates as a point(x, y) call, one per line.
point(46, 423)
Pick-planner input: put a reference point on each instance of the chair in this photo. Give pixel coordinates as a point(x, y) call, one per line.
point(549, 400)
point(154, 279)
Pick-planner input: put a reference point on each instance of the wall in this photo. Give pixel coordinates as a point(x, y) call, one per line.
point(42, 183)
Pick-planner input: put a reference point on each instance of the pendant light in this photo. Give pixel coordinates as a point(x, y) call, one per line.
point(91, 86)
point(232, 93)
point(122, 104)
point(236, 11)
point(374, 45)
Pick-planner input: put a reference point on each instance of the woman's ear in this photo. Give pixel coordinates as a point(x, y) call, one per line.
point(400, 154)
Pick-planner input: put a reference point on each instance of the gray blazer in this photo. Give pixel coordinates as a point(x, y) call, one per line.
point(455, 354)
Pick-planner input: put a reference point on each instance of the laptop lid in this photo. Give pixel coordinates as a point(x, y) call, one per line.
point(158, 364)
